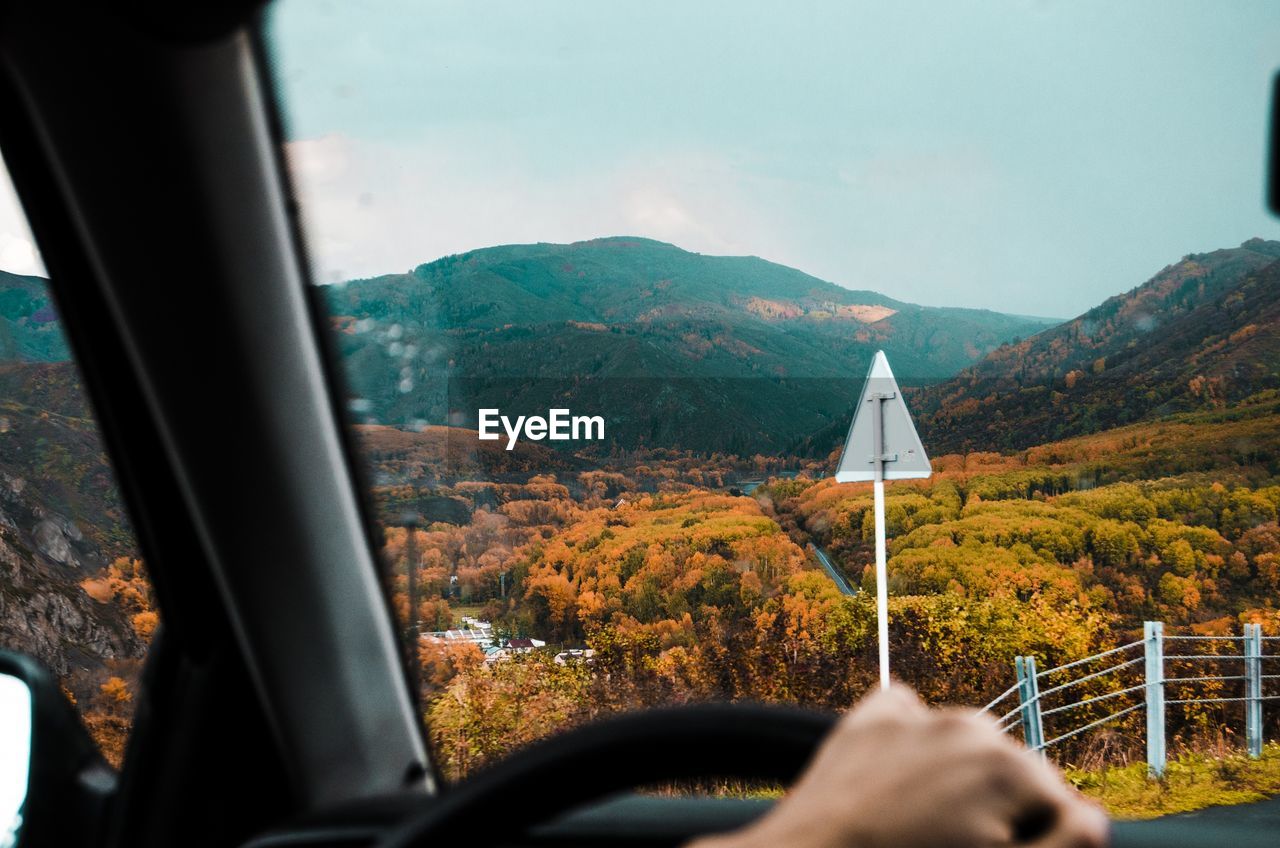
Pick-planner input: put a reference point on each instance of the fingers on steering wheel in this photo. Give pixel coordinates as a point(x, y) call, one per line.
point(1079, 826)
point(1046, 813)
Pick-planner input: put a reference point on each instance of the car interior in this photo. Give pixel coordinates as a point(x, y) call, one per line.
point(275, 707)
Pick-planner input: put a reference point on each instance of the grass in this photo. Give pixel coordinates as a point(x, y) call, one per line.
point(1191, 782)
point(461, 609)
point(753, 790)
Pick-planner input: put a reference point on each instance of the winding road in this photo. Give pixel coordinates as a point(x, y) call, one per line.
point(748, 488)
point(834, 573)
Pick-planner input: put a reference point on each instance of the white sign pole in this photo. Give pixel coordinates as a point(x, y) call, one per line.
point(878, 458)
point(882, 588)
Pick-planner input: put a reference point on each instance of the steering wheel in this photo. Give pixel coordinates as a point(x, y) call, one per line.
point(555, 775)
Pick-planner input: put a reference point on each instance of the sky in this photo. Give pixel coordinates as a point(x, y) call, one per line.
point(1029, 156)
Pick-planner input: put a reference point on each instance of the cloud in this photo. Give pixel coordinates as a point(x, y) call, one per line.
point(18, 254)
point(319, 160)
point(944, 172)
point(380, 207)
point(656, 212)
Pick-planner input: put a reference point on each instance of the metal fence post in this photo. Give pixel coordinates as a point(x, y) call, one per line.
point(1029, 697)
point(1253, 689)
point(1021, 671)
point(1153, 643)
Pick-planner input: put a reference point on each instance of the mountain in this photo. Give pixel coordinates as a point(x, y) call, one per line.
point(1203, 333)
point(29, 328)
point(674, 348)
point(61, 523)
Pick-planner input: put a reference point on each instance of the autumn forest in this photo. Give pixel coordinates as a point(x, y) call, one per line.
point(1087, 477)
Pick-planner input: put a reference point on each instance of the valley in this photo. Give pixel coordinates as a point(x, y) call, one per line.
point(1121, 466)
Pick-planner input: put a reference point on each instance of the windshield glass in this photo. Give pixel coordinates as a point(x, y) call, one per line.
point(74, 594)
point(605, 281)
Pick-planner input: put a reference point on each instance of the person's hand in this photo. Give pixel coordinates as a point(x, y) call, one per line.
point(895, 774)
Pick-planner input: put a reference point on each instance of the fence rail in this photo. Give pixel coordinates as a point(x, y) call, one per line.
point(1028, 711)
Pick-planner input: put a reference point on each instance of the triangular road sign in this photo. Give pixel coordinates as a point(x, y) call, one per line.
point(903, 454)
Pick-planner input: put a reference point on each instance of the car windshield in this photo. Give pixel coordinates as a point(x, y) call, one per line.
point(606, 280)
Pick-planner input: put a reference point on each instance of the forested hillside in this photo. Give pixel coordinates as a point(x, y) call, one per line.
point(29, 328)
point(676, 349)
point(686, 592)
point(1201, 334)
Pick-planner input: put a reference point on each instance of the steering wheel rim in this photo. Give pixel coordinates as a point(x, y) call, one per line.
point(561, 773)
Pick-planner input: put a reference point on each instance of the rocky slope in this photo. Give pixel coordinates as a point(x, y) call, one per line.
point(61, 524)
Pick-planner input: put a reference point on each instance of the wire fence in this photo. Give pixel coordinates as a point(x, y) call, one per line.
point(1080, 696)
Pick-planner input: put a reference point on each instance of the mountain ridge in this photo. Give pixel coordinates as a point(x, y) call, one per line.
point(1203, 332)
point(760, 353)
